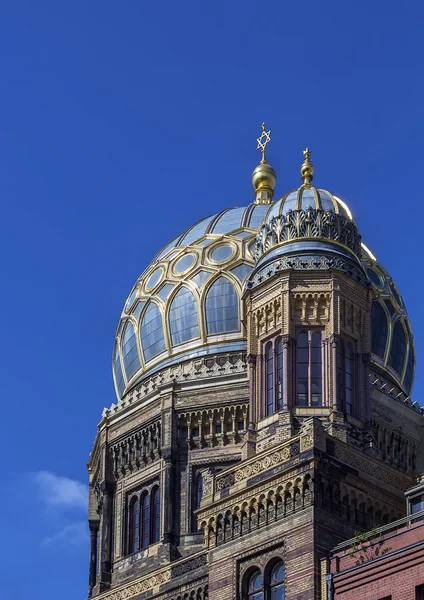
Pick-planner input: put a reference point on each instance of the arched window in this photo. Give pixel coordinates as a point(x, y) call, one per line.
point(130, 352)
point(302, 368)
point(280, 373)
point(379, 329)
point(134, 526)
point(119, 377)
point(183, 317)
point(222, 307)
point(273, 375)
point(345, 375)
point(145, 517)
point(309, 368)
point(255, 587)
point(152, 340)
point(398, 348)
point(269, 378)
point(155, 518)
point(277, 580)
point(199, 490)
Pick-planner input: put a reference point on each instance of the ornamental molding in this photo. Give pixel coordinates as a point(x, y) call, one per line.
point(215, 366)
point(149, 582)
point(308, 262)
point(310, 223)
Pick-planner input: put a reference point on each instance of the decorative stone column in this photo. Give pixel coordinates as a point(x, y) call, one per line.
point(167, 495)
point(92, 577)
point(334, 341)
point(251, 359)
point(106, 535)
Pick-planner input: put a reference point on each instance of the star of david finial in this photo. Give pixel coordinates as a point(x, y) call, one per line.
point(307, 154)
point(307, 168)
point(263, 140)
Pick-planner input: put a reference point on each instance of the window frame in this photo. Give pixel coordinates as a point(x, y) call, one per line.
point(273, 386)
point(310, 332)
point(141, 497)
point(341, 390)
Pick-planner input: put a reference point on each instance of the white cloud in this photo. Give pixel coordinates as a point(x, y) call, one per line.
point(61, 492)
point(74, 534)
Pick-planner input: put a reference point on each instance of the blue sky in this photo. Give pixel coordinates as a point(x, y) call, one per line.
point(121, 123)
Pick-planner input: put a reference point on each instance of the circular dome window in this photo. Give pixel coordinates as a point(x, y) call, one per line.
point(184, 263)
point(222, 253)
point(154, 279)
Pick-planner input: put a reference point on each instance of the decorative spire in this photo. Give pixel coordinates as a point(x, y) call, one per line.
point(307, 169)
point(264, 176)
point(263, 140)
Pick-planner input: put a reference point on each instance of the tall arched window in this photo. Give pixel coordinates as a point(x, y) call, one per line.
point(129, 351)
point(134, 526)
point(183, 317)
point(269, 378)
point(398, 348)
point(155, 519)
point(145, 516)
point(302, 368)
point(119, 377)
point(277, 580)
point(152, 340)
point(309, 368)
point(255, 586)
point(273, 372)
point(222, 307)
point(280, 372)
point(379, 329)
point(345, 376)
point(199, 490)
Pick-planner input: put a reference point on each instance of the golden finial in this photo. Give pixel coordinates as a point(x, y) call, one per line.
point(307, 169)
point(263, 140)
point(264, 176)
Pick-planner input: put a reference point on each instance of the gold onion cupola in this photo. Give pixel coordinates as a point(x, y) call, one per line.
point(264, 177)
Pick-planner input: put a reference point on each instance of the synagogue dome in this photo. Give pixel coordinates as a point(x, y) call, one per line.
point(188, 301)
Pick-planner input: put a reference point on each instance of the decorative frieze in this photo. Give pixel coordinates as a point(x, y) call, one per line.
point(136, 450)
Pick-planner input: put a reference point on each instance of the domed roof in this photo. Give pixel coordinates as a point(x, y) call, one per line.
point(187, 302)
point(308, 196)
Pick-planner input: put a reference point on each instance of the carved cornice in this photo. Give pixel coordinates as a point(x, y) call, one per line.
point(308, 224)
point(203, 368)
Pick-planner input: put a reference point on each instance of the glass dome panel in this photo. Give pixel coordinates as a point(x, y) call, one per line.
point(119, 377)
point(154, 279)
point(242, 271)
point(197, 231)
point(308, 199)
point(222, 307)
point(167, 248)
point(152, 339)
point(409, 373)
point(257, 215)
point(230, 220)
point(290, 203)
point(244, 234)
point(131, 299)
point(396, 295)
point(130, 352)
point(326, 201)
point(398, 348)
point(379, 329)
point(222, 253)
point(200, 278)
point(139, 307)
point(373, 276)
point(183, 317)
point(165, 290)
point(273, 212)
point(184, 263)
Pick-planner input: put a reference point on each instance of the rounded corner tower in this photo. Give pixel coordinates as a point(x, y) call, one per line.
point(263, 366)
